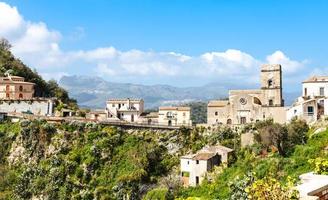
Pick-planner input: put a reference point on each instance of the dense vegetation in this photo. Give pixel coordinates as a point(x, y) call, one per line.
point(89, 161)
point(42, 88)
point(198, 111)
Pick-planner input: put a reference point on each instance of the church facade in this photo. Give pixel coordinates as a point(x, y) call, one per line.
point(246, 106)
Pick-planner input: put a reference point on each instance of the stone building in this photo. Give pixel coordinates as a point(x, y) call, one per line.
point(246, 106)
point(15, 87)
point(311, 105)
point(194, 167)
point(124, 109)
point(174, 116)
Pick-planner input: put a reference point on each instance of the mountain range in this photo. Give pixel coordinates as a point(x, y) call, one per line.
point(92, 92)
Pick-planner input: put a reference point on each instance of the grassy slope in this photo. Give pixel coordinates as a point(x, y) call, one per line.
point(293, 166)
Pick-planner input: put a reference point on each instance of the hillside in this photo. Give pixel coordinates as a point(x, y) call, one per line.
point(42, 88)
point(88, 161)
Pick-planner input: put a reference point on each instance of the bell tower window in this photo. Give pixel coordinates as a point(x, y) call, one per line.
point(270, 83)
point(270, 102)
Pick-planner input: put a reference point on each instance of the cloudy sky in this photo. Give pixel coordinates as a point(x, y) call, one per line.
point(180, 43)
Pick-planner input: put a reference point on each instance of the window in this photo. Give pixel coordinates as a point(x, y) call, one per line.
point(184, 114)
point(295, 111)
point(21, 88)
point(20, 95)
point(197, 162)
point(113, 105)
point(216, 113)
point(229, 121)
point(270, 102)
point(322, 91)
point(7, 95)
point(305, 91)
point(270, 83)
point(243, 120)
point(310, 110)
point(188, 162)
point(7, 88)
point(169, 115)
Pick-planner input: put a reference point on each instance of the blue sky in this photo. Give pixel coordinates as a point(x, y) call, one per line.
point(182, 43)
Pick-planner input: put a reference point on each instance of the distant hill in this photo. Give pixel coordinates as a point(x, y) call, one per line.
point(92, 92)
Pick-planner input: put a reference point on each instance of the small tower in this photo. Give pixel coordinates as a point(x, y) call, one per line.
point(271, 85)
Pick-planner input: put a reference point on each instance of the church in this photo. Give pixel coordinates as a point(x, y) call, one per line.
point(247, 106)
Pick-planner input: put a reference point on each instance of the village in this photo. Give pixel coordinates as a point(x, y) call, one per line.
point(17, 101)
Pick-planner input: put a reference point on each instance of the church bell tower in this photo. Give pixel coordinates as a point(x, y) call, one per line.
point(271, 85)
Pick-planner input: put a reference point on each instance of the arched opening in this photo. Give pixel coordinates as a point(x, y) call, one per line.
point(229, 121)
point(270, 83)
point(7, 88)
point(169, 123)
point(257, 101)
point(149, 121)
point(21, 88)
point(132, 118)
point(7, 96)
point(216, 113)
point(270, 102)
point(20, 95)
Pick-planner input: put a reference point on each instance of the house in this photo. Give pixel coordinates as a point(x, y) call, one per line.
point(97, 115)
point(311, 105)
point(246, 106)
point(149, 118)
point(124, 109)
point(174, 116)
point(313, 186)
point(15, 87)
point(17, 96)
point(195, 166)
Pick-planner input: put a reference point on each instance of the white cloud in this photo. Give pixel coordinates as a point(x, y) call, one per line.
point(39, 47)
point(289, 66)
point(10, 20)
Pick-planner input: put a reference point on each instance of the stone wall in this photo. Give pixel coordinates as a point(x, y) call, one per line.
point(44, 107)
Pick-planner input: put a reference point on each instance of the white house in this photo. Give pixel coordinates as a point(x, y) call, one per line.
point(313, 186)
point(194, 167)
point(124, 109)
point(174, 116)
point(311, 105)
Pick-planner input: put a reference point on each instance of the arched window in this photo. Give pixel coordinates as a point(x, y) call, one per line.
point(21, 88)
point(229, 121)
point(7, 88)
point(7, 95)
point(270, 102)
point(20, 95)
point(270, 83)
point(257, 101)
point(216, 113)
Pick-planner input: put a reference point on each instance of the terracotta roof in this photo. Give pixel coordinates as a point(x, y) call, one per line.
point(179, 108)
point(217, 148)
point(217, 103)
point(316, 79)
point(203, 156)
point(98, 112)
point(149, 115)
point(124, 100)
